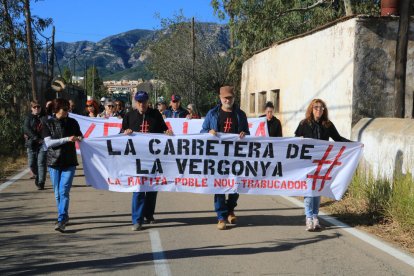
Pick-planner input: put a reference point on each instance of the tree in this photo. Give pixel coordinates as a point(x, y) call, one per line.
point(171, 57)
point(67, 75)
point(14, 72)
point(258, 24)
point(94, 83)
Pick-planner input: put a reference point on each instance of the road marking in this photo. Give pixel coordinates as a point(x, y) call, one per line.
point(400, 255)
point(13, 179)
point(160, 262)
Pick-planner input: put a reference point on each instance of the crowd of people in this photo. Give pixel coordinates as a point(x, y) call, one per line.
point(50, 136)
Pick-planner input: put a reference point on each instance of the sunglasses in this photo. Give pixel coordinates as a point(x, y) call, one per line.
point(89, 105)
point(175, 101)
point(110, 106)
point(319, 108)
point(36, 106)
point(65, 109)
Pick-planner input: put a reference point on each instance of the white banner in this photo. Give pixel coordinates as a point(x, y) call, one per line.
point(202, 163)
point(97, 127)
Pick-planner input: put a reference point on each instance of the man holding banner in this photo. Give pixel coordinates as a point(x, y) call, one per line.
point(227, 118)
point(144, 120)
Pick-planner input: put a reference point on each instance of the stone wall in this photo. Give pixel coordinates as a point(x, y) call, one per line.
point(374, 69)
point(388, 145)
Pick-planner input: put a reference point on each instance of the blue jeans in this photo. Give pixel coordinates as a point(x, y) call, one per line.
point(143, 205)
point(61, 179)
point(223, 206)
point(312, 206)
point(37, 164)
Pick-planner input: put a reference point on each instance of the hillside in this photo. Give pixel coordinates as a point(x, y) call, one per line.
point(122, 56)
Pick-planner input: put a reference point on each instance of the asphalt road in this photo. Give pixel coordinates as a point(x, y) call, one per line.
point(269, 239)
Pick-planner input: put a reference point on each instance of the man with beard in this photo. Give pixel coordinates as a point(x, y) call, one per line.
point(226, 117)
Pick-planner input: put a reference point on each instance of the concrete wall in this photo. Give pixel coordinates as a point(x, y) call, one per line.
point(319, 65)
point(375, 50)
point(349, 64)
point(388, 145)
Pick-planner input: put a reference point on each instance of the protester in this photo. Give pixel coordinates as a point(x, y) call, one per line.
point(316, 125)
point(274, 127)
point(109, 110)
point(120, 109)
point(102, 105)
point(161, 105)
point(49, 109)
point(72, 106)
point(226, 117)
point(175, 110)
point(92, 108)
point(192, 112)
point(36, 154)
point(144, 120)
point(60, 134)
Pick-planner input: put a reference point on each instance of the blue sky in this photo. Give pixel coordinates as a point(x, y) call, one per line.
point(94, 20)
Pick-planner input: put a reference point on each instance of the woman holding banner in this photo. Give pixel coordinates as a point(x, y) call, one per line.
point(60, 134)
point(92, 108)
point(316, 125)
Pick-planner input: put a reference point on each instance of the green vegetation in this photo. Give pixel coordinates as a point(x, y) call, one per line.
point(255, 25)
point(369, 201)
point(14, 74)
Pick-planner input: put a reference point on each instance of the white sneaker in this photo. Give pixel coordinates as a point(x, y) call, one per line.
point(309, 224)
point(316, 225)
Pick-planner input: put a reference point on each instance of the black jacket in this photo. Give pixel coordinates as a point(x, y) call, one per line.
point(62, 156)
point(274, 127)
point(133, 120)
point(317, 130)
point(32, 128)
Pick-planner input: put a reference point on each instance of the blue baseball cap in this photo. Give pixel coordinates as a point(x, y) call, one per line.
point(141, 96)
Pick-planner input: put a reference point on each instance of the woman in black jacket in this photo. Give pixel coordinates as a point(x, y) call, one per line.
point(60, 135)
point(316, 125)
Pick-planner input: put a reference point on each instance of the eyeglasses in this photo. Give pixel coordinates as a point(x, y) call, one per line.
point(319, 108)
point(36, 106)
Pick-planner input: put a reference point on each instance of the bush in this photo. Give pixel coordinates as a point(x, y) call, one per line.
point(401, 207)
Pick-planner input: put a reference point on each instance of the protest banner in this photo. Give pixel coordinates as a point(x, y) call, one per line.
point(96, 127)
point(203, 163)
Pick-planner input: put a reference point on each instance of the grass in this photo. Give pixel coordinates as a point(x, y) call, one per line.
point(381, 207)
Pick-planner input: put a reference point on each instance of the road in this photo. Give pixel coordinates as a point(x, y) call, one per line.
point(269, 239)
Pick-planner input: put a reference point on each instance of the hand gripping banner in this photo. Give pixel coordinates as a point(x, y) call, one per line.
point(203, 163)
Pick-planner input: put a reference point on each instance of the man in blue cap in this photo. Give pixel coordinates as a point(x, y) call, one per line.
point(175, 110)
point(144, 120)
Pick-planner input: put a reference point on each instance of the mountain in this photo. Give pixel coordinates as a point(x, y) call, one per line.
point(122, 56)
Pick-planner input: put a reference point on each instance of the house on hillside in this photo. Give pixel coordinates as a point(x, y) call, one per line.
point(349, 63)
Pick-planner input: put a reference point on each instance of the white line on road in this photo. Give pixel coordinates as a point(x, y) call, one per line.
point(160, 262)
point(402, 256)
point(13, 179)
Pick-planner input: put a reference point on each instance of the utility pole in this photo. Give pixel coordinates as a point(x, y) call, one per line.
point(401, 59)
point(193, 97)
point(348, 7)
point(29, 38)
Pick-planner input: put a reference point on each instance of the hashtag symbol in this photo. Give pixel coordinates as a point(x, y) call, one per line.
point(227, 125)
point(322, 162)
point(144, 127)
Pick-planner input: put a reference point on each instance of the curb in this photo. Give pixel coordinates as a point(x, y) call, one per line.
point(377, 243)
point(14, 179)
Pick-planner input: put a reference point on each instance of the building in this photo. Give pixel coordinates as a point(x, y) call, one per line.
point(349, 63)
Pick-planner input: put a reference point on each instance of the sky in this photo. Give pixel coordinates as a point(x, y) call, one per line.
point(94, 20)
